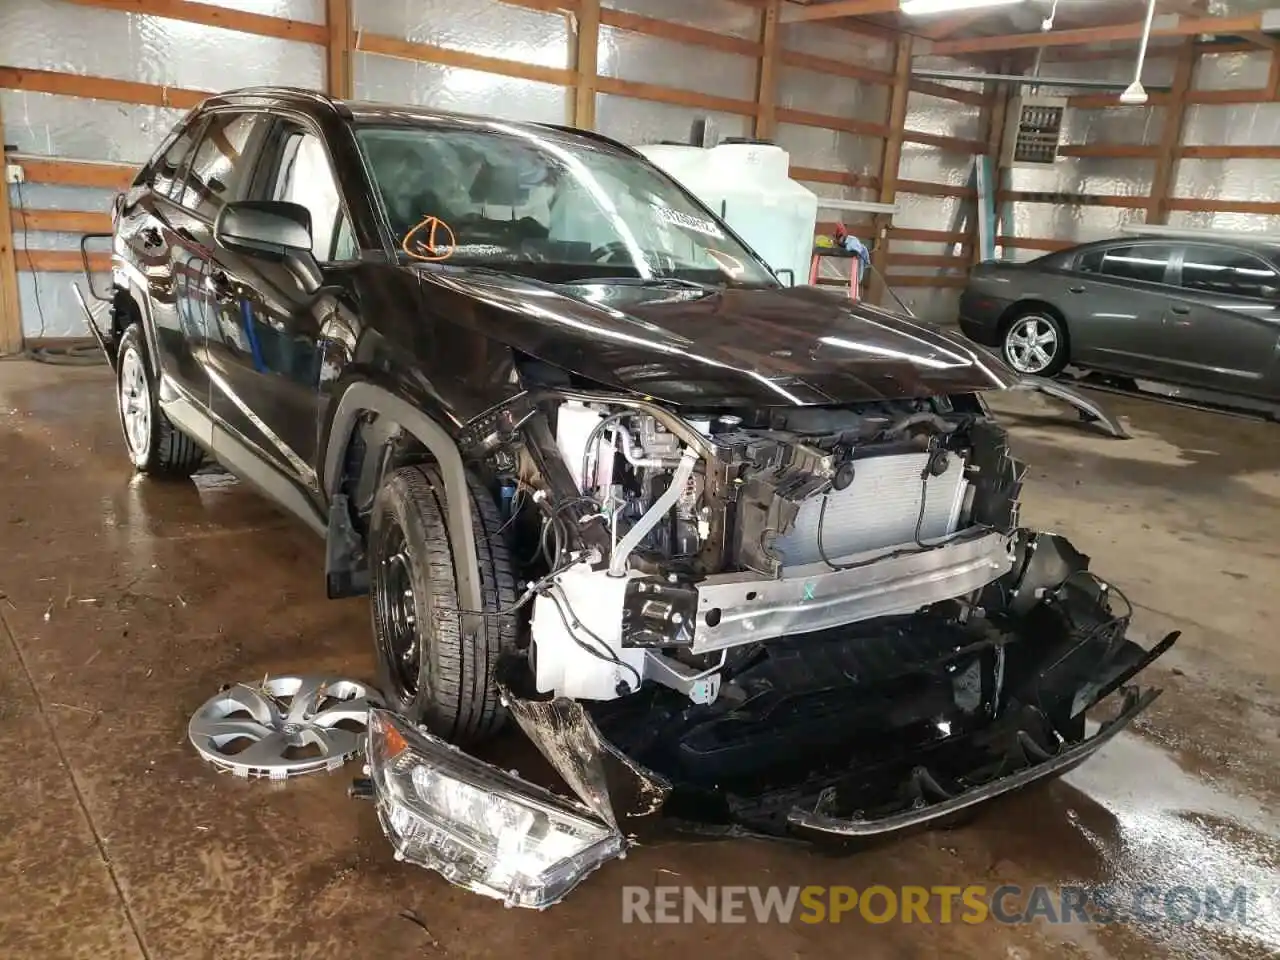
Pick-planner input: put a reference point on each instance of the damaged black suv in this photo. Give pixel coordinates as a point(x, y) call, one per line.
point(732, 552)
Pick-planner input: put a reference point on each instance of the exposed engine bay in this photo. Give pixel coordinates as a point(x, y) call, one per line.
point(791, 621)
point(684, 539)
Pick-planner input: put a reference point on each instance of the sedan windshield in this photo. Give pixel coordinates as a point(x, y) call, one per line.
point(557, 208)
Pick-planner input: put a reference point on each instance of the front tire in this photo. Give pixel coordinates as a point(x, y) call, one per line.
point(155, 446)
point(1035, 344)
point(427, 669)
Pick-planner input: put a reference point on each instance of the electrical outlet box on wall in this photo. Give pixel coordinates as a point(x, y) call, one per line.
point(1035, 128)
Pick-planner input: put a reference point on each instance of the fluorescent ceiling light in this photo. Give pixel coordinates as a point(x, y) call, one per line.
point(918, 8)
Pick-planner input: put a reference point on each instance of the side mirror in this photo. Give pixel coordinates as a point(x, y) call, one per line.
point(273, 230)
point(264, 228)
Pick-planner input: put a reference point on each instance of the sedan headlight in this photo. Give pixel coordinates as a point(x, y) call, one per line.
point(477, 826)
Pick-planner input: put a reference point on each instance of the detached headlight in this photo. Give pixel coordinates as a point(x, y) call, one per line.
point(476, 825)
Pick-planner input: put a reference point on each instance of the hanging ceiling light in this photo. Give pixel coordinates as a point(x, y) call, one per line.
point(917, 8)
point(1135, 93)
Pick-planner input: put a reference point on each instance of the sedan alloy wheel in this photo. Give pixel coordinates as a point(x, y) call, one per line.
point(1032, 344)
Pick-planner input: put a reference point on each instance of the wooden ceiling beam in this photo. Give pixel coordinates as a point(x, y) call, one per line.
point(1168, 26)
point(866, 28)
point(839, 8)
point(1263, 41)
point(212, 16)
point(948, 27)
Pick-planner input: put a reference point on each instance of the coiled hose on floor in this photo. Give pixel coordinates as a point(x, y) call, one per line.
point(87, 354)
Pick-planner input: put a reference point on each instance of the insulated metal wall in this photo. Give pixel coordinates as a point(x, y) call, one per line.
point(645, 121)
point(485, 28)
point(649, 59)
point(1210, 124)
point(666, 63)
point(50, 35)
point(1090, 175)
point(476, 26)
point(720, 16)
point(930, 164)
point(817, 91)
point(1244, 124)
point(456, 88)
point(489, 28)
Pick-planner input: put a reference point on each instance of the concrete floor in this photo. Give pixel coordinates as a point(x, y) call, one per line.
point(126, 603)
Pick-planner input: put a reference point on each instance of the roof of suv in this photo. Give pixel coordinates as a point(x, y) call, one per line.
point(365, 111)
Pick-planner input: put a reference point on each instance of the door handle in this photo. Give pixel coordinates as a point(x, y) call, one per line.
point(1181, 309)
point(151, 238)
point(1077, 289)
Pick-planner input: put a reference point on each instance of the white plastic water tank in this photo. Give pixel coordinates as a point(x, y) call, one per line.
point(748, 185)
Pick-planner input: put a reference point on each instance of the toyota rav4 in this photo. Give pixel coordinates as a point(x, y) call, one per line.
point(728, 551)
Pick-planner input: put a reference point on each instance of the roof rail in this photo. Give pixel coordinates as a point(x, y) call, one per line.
point(302, 93)
point(589, 134)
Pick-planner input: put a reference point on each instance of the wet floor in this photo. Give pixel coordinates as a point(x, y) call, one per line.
point(126, 604)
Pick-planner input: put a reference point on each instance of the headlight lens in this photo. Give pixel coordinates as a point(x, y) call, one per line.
point(478, 826)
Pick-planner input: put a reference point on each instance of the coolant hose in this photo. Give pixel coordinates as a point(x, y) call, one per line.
point(629, 451)
point(679, 480)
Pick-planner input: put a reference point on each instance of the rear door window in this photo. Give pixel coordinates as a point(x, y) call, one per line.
point(1147, 262)
point(1224, 270)
point(222, 164)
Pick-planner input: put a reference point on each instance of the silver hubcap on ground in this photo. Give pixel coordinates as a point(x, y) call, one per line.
point(284, 726)
point(1031, 344)
point(135, 403)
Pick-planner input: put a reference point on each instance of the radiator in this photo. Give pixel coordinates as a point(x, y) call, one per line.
point(878, 510)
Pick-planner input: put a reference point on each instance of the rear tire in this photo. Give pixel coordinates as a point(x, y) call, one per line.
point(427, 669)
point(1035, 343)
point(156, 447)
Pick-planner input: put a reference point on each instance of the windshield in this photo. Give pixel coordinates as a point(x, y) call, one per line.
point(552, 207)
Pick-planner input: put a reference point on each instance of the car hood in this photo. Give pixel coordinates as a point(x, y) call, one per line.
point(799, 345)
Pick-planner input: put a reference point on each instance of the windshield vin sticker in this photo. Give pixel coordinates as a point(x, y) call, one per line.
point(688, 222)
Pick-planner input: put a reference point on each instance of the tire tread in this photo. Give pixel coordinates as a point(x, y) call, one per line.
point(463, 704)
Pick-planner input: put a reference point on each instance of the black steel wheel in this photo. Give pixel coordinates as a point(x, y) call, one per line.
point(427, 669)
point(397, 612)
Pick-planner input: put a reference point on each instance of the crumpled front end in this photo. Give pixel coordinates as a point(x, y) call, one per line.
point(789, 621)
point(859, 732)
point(902, 721)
